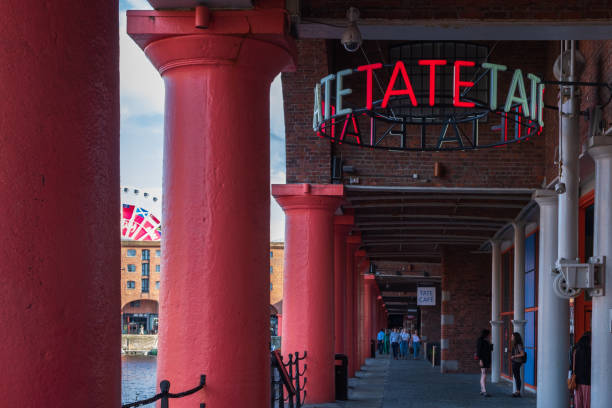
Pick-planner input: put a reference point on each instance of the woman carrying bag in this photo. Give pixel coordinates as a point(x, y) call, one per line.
point(518, 358)
point(580, 382)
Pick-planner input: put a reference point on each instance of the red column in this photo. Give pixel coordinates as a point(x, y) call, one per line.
point(352, 243)
point(59, 196)
point(368, 308)
point(308, 284)
point(214, 313)
point(342, 226)
point(359, 262)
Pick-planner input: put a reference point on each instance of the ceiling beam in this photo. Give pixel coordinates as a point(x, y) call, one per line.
point(495, 197)
point(437, 204)
point(459, 30)
point(430, 227)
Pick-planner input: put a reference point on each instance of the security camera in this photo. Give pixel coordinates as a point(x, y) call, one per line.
point(351, 38)
point(560, 188)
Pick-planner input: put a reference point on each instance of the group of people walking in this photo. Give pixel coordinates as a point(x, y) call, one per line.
point(401, 342)
point(579, 382)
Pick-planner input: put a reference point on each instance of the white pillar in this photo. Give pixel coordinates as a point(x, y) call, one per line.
point(552, 311)
point(495, 309)
point(600, 149)
point(519, 286)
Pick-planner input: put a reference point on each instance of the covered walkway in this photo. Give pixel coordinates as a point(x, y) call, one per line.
point(388, 383)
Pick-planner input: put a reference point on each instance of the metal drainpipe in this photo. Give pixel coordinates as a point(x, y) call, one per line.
point(568, 220)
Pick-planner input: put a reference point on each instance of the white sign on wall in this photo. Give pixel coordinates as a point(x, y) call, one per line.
point(426, 296)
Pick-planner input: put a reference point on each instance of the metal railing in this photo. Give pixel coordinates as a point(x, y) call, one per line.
point(165, 395)
point(288, 377)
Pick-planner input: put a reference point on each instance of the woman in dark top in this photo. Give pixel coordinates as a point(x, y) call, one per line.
point(483, 352)
point(582, 369)
point(517, 358)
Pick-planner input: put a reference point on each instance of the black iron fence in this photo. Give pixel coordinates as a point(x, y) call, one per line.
point(288, 380)
point(165, 395)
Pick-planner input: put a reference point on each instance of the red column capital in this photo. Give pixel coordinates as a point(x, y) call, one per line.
point(256, 40)
point(293, 197)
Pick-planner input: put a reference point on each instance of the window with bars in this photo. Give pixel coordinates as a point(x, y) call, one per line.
point(411, 53)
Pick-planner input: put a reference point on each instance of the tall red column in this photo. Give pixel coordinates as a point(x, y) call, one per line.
point(59, 196)
point(352, 243)
point(214, 316)
point(342, 226)
point(368, 310)
point(308, 284)
point(360, 258)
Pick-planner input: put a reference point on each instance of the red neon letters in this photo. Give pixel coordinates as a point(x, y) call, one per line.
point(399, 67)
point(432, 77)
point(368, 69)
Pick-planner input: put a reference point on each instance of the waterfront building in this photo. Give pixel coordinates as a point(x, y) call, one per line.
point(382, 184)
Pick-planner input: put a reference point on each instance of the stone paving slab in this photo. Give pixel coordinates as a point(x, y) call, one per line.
point(412, 384)
point(387, 383)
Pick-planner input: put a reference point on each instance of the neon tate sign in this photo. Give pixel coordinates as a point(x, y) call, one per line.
point(521, 107)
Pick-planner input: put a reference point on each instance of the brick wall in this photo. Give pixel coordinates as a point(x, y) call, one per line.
point(129, 295)
point(308, 157)
point(466, 307)
point(430, 320)
point(598, 55)
point(461, 9)
point(277, 262)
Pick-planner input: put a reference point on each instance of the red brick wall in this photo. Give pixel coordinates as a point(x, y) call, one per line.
point(308, 157)
point(461, 9)
point(598, 55)
point(430, 320)
point(466, 306)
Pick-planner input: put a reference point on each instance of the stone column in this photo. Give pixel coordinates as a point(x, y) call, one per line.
point(552, 311)
point(519, 286)
point(59, 196)
point(215, 290)
point(308, 288)
point(600, 149)
point(342, 226)
point(496, 323)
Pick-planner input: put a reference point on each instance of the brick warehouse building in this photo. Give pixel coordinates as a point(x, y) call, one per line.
point(480, 216)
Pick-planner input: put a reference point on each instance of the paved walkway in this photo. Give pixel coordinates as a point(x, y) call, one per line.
point(389, 383)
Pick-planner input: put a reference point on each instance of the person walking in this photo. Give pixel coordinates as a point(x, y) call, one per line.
point(518, 357)
point(581, 367)
point(395, 339)
point(416, 344)
point(483, 352)
point(380, 338)
point(404, 337)
point(387, 341)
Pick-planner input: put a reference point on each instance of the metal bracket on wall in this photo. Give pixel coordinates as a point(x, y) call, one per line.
point(574, 276)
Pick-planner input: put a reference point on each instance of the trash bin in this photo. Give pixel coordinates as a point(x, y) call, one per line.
point(341, 377)
point(372, 349)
